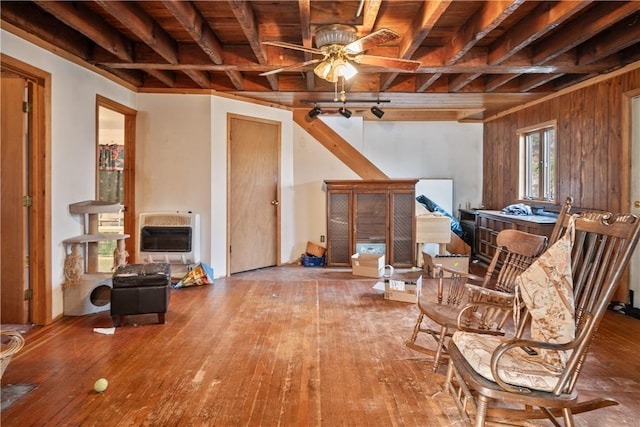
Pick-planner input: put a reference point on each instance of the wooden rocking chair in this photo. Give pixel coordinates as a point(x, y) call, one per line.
point(566, 292)
point(515, 252)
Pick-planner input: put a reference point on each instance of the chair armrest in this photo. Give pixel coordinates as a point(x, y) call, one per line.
point(530, 347)
point(485, 317)
point(468, 276)
point(479, 290)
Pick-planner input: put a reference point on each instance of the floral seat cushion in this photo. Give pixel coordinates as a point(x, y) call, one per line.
point(546, 288)
point(516, 367)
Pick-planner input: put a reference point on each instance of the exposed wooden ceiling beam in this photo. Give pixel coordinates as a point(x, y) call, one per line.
point(369, 15)
point(491, 15)
point(462, 80)
point(532, 81)
point(78, 17)
point(543, 19)
point(611, 41)
point(421, 26)
point(304, 9)
point(194, 23)
point(200, 77)
point(495, 81)
point(595, 20)
point(166, 77)
point(144, 27)
point(479, 25)
point(247, 20)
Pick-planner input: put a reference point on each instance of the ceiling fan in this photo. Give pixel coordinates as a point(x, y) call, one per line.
point(339, 45)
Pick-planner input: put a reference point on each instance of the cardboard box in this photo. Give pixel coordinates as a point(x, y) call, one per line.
point(432, 228)
point(400, 290)
point(454, 262)
point(369, 265)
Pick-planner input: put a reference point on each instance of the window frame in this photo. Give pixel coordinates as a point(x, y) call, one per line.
point(548, 174)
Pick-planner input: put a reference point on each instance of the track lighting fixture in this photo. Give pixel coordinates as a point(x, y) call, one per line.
point(343, 110)
point(376, 111)
point(314, 112)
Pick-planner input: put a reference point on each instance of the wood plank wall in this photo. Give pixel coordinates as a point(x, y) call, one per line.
point(590, 149)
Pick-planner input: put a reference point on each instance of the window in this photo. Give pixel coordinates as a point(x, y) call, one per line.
point(538, 162)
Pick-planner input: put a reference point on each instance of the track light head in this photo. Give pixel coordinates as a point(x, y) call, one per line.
point(314, 112)
point(376, 111)
point(346, 113)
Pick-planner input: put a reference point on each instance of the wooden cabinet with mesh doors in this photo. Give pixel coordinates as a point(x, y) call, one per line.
point(371, 216)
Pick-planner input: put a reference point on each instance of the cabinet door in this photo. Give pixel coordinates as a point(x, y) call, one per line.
point(339, 228)
point(370, 218)
point(402, 243)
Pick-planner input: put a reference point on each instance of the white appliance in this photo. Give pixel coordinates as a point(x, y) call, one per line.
point(169, 237)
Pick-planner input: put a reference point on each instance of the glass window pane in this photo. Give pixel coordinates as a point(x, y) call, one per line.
point(533, 145)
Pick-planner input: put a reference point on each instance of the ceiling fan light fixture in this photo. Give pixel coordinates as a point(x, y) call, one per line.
point(323, 69)
point(348, 71)
point(376, 111)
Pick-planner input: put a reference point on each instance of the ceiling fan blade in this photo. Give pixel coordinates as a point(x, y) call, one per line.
point(286, 45)
point(376, 38)
point(293, 67)
point(385, 61)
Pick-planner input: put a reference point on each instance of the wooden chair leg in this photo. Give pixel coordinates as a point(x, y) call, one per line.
point(416, 329)
point(568, 417)
point(439, 347)
point(481, 410)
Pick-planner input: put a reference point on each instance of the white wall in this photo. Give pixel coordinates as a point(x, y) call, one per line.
point(73, 141)
point(173, 151)
point(429, 150)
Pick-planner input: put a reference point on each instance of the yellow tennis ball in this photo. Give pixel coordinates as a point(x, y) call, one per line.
point(101, 385)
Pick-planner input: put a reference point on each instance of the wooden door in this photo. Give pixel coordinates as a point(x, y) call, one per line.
point(13, 215)
point(253, 191)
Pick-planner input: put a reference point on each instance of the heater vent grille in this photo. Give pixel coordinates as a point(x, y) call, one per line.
point(166, 220)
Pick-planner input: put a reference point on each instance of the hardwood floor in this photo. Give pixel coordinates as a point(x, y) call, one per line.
point(288, 346)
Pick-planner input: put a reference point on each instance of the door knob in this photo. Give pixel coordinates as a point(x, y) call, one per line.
point(275, 203)
point(636, 204)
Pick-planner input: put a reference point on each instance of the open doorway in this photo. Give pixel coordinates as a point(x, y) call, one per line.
point(115, 175)
point(110, 180)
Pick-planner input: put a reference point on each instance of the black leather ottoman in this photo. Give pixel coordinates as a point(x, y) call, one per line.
point(140, 289)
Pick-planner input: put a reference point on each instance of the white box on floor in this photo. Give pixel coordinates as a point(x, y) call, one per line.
point(369, 265)
point(402, 290)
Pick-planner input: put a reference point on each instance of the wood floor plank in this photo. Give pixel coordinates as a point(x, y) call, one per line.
point(288, 346)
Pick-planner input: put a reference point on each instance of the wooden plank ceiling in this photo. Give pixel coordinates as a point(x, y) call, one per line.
point(478, 58)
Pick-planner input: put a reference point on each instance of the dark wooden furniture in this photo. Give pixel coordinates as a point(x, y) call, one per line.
point(371, 216)
point(468, 222)
point(517, 250)
point(490, 223)
point(600, 253)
